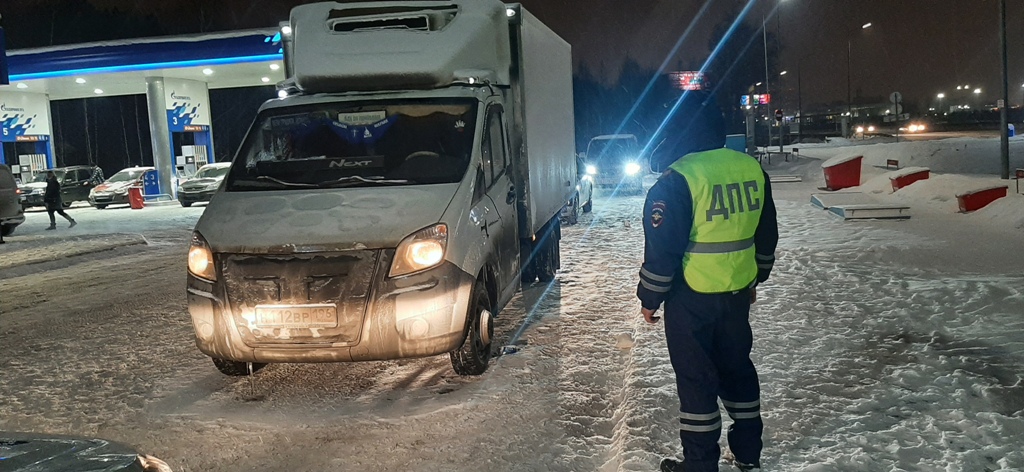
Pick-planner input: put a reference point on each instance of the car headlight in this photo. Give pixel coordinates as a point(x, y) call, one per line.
point(591, 170)
point(632, 168)
point(860, 129)
point(871, 128)
point(92, 192)
point(420, 251)
point(121, 191)
point(200, 259)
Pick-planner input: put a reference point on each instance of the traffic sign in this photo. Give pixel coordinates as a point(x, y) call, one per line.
point(896, 98)
point(778, 114)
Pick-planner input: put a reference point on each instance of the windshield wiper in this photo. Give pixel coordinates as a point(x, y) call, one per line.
point(356, 180)
point(265, 178)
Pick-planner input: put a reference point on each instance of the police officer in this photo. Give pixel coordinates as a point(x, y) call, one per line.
point(710, 235)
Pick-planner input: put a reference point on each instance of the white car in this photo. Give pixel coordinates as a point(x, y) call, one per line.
point(201, 186)
point(583, 199)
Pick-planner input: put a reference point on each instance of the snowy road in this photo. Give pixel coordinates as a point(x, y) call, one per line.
point(882, 346)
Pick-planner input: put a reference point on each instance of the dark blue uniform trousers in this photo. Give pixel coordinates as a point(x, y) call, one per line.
point(709, 342)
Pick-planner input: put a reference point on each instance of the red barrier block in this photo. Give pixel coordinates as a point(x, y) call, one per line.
point(978, 199)
point(842, 172)
point(908, 176)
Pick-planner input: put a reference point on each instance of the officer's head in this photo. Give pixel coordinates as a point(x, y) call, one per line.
point(697, 125)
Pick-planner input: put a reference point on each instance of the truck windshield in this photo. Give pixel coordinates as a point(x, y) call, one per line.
point(351, 144)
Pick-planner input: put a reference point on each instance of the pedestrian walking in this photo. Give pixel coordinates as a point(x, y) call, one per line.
point(710, 234)
point(53, 202)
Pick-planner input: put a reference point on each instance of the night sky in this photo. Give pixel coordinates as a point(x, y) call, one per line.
point(919, 47)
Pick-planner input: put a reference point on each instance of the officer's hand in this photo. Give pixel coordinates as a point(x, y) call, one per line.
point(649, 315)
point(753, 295)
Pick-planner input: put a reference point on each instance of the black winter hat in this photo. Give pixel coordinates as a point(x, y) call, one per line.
point(695, 125)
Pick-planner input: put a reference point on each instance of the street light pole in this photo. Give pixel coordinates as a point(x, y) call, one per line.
point(1004, 140)
point(764, 37)
point(849, 88)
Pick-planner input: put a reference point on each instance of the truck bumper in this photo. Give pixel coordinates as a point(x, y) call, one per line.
point(414, 316)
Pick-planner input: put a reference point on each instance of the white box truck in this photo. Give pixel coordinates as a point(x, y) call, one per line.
point(390, 202)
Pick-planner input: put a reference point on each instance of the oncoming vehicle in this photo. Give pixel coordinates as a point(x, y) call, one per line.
point(11, 212)
point(201, 186)
point(583, 199)
point(389, 206)
point(115, 190)
point(614, 161)
point(75, 184)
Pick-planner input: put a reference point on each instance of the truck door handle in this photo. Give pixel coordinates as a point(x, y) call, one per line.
point(511, 197)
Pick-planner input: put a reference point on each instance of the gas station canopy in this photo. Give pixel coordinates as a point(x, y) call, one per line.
point(222, 60)
point(174, 73)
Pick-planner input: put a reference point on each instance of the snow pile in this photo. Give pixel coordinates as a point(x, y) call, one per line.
point(36, 250)
point(953, 155)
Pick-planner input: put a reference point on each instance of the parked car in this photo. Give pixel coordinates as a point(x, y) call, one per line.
point(201, 186)
point(75, 184)
point(115, 190)
point(583, 200)
point(11, 213)
point(614, 160)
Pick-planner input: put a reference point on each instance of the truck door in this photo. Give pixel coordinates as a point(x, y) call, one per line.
point(502, 226)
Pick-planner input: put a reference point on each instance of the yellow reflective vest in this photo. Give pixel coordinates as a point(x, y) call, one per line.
point(727, 188)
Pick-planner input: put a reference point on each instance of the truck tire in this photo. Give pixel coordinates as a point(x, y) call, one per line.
point(573, 215)
point(548, 261)
point(473, 357)
point(6, 230)
point(235, 368)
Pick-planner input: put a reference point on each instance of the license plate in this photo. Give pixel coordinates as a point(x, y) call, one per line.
point(297, 316)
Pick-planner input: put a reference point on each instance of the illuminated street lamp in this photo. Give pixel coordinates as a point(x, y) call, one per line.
point(977, 91)
point(940, 96)
point(783, 72)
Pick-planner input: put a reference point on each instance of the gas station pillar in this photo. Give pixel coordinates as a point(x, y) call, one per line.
point(178, 107)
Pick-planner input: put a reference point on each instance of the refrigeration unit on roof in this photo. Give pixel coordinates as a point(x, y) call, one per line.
point(342, 47)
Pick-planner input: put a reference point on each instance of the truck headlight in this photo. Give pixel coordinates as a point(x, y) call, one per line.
point(200, 259)
point(591, 170)
point(420, 251)
point(632, 168)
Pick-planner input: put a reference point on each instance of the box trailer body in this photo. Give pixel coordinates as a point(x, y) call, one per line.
point(391, 201)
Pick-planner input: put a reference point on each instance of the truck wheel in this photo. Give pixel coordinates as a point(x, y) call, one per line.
point(587, 207)
point(573, 215)
point(527, 274)
point(547, 260)
point(475, 354)
point(235, 368)
point(6, 230)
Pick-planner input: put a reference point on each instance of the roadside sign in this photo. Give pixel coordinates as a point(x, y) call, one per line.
point(896, 98)
point(778, 114)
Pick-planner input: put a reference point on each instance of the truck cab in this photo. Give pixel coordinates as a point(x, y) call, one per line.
point(384, 214)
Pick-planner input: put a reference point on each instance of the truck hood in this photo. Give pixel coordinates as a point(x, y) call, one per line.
point(298, 221)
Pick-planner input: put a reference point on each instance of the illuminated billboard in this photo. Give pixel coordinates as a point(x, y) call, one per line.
point(688, 81)
point(756, 99)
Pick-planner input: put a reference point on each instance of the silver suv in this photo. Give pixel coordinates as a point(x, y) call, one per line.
point(11, 213)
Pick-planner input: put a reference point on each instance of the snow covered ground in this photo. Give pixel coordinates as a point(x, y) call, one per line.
point(882, 346)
